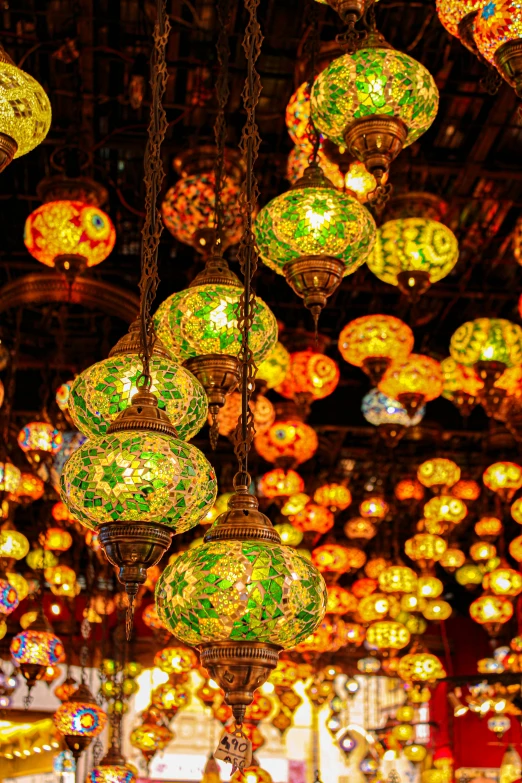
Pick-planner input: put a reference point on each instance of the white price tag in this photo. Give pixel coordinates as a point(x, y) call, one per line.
point(236, 749)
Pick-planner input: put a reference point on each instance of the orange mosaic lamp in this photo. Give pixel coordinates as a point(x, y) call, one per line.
point(445, 508)
point(413, 382)
point(228, 416)
point(373, 342)
point(340, 600)
point(425, 549)
point(313, 519)
point(398, 579)
point(374, 508)
point(29, 489)
point(336, 497)
point(457, 16)
point(491, 611)
point(466, 489)
point(438, 473)
point(311, 376)
point(359, 529)
point(337, 559)
point(503, 478)
point(504, 581)
point(488, 527)
point(452, 559)
point(287, 442)
point(409, 490)
point(365, 586)
point(281, 483)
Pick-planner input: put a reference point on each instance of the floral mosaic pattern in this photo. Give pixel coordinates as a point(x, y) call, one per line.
point(241, 591)
point(292, 438)
point(25, 108)
point(375, 335)
point(452, 12)
point(487, 339)
point(377, 408)
point(498, 22)
point(38, 647)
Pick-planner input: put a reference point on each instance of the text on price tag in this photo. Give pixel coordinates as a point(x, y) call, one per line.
point(236, 749)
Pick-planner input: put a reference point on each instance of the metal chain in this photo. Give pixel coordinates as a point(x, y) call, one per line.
point(224, 10)
point(248, 255)
point(312, 49)
point(154, 174)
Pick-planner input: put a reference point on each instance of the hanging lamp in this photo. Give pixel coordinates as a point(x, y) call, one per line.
point(36, 648)
point(497, 31)
point(79, 720)
point(373, 342)
point(25, 112)
point(413, 382)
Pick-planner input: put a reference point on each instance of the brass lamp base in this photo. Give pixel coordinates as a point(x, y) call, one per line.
point(411, 401)
point(464, 403)
point(413, 284)
point(508, 59)
point(491, 398)
point(314, 278)
point(32, 672)
point(70, 264)
point(76, 744)
point(376, 142)
point(8, 147)
point(348, 10)
point(466, 32)
point(391, 433)
point(239, 668)
point(218, 373)
point(375, 367)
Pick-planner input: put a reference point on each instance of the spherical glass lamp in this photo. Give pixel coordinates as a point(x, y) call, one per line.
point(409, 489)
point(481, 551)
point(311, 376)
point(460, 384)
point(133, 476)
point(40, 441)
point(469, 575)
point(294, 504)
point(413, 253)
point(19, 583)
point(516, 510)
point(281, 483)
point(488, 527)
point(398, 579)
point(34, 650)
point(175, 659)
point(375, 566)
point(38, 559)
point(10, 477)
point(313, 519)
point(374, 102)
point(105, 389)
point(492, 611)
point(497, 31)
point(79, 720)
point(69, 235)
point(438, 473)
point(374, 507)
point(489, 345)
point(228, 416)
point(289, 440)
point(503, 478)
point(151, 619)
point(56, 539)
point(340, 600)
point(13, 544)
point(289, 535)
point(112, 769)
point(314, 235)
point(425, 549)
point(429, 587)
point(437, 610)
point(8, 598)
point(169, 697)
point(452, 559)
point(336, 497)
point(299, 159)
point(25, 112)
point(414, 381)
point(387, 635)
point(297, 115)
point(360, 529)
point(385, 413)
point(445, 508)
point(373, 342)
point(150, 737)
point(420, 667)
point(365, 585)
point(334, 558)
point(188, 211)
point(505, 581)
point(453, 13)
point(376, 606)
point(466, 489)
point(217, 592)
point(273, 369)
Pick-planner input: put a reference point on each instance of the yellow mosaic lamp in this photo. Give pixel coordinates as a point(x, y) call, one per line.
point(505, 581)
point(438, 473)
point(497, 31)
point(503, 478)
point(425, 549)
point(460, 384)
point(25, 112)
point(491, 611)
point(336, 497)
point(398, 579)
point(273, 369)
point(373, 342)
point(388, 635)
point(413, 381)
point(445, 508)
point(418, 667)
point(488, 527)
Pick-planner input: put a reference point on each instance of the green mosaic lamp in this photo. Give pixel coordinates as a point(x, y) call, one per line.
point(490, 346)
point(314, 235)
point(102, 391)
point(241, 598)
point(199, 325)
point(374, 103)
point(137, 485)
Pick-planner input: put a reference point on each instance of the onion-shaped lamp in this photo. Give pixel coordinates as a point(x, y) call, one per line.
point(503, 478)
point(389, 416)
point(79, 720)
point(461, 385)
point(40, 442)
point(336, 497)
point(36, 648)
point(438, 473)
point(311, 376)
point(314, 235)
point(497, 31)
point(491, 611)
point(373, 342)
point(25, 112)
point(241, 597)
point(112, 769)
point(458, 17)
point(289, 441)
point(374, 102)
point(414, 381)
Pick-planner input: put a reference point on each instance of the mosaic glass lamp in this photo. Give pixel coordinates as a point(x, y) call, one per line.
point(10, 477)
point(438, 473)
point(112, 769)
point(398, 579)
point(36, 648)
point(79, 720)
point(274, 368)
point(150, 737)
point(417, 667)
point(412, 253)
point(505, 581)
point(241, 597)
point(373, 342)
point(452, 559)
point(409, 489)
point(497, 31)
point(200, 326)
point(445, 508)
point(338, 559)
point(388, 415)
point(287, 442)
point(31, 488)
point(311, 376)
point(374, 102)
point(388, 635)
point(25, 112)
point(340, 601)
point(360, 529)
point(40, 441)
point(288, 534)
point(491, 611)
point(13, 544)
point(313, 519)
point(336, 497)
point(356, 180)
point(458, 16)
point(425, 549)
point(281, 483)
point(69, 235)
point(460, 384)
point(297, 114)
point(228, 416)
point(503, 478)
point(413, 382)
point(105, 389)
point(314, 235)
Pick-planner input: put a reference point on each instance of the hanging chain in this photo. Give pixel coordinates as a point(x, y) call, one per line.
point(224, 8)
point(248, 255)
point(154, 174)
point(312, 49)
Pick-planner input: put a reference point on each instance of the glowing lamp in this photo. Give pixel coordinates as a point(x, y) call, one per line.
point(491, 611)
point(360, 528)
point(469, 575)
point(289, 440)
point(373, 342)
point(228, 416)
point(273, 369)
point(297, 115)
point(69, 235)
point(60, 513)
point(33, 651)
point(375, 566)
point(438, 473)
point(482, 551)
point(10, 477)
point(515, 549)
point(314, 235)
point(151, 619)
point(25, 114)
point(445, 508)
point(413, 253)
point(336, 497)
point(437, 610)
point(188, 211)
point(281, 483)
point(169, 697)
point(516, 510)
point(385, 412)
point(112, 769)
point(425, 549)
point(374, 508)
point(429, 587)
point(31, 488)
point(311, 376)
point(414, 381)
point(497, 32)
point(388, 635)
point(420, 667)
point(409, 489)
point(8, 598)
point(201, 596)
point(289, 535)
point(374, 102)
point(376, 606)
point(368, 665)
point(499, 724)
point(13, 544)
point(488, 527)
point(503, 478)
point(340, 600)
point(252, 774)
point(176, 659)
point(150, 737)
point(505, 581)
point(55, 539)
point(38, 559)
point(294, 504)
point(460, 384)
point(415, 753)
point(403, 732)
point(398, 579)
point(457, 16)
point(365, 586)
point(466, 489)
point(40, 441)
point(335, 558)
point(19, 583)
point(132, 476)
point(313, 518)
